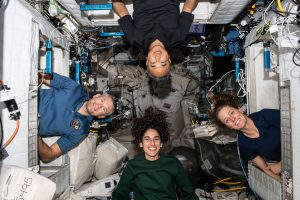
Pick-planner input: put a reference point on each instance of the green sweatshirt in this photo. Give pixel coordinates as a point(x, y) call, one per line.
point(154, 180)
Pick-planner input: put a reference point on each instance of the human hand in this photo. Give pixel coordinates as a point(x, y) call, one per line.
point(189, 5)
point(274, 167)
point(259, 162)
point(44, 78)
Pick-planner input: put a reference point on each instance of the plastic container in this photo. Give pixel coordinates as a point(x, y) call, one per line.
point(59, 175)
point(126, 139)
point(82, 161)
point(100, 188)
point(21, 183)
point(110, 157)
point(57, 170)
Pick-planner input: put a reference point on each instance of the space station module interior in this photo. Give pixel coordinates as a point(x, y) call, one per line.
point(247, 48)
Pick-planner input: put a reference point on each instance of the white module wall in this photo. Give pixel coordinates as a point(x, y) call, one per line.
point(262, 86)
point(21, 26)
point(17, 35)
point(290, 73)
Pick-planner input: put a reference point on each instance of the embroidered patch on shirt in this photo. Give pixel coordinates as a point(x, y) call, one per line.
point(75, 124)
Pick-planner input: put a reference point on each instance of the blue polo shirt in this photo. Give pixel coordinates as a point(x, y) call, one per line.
point(268, 144)
point(58, 112)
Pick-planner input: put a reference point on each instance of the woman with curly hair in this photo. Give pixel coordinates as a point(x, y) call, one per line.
point(259, 133)
point(152, 175)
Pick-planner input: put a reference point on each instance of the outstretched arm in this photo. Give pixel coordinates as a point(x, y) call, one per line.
point(259, 162)
point(46, 153)
point(275, 167)
point(120, 8)
point(189, 6)
point(125, 21)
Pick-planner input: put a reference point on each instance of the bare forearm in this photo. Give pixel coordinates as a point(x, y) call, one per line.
point(260, 163)
point(189, 6)
point(275, 167)
point(275, 176)
point(46, 153)
point(120, 8)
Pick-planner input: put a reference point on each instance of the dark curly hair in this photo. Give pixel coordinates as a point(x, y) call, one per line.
point(152, 119)
point(219, 102)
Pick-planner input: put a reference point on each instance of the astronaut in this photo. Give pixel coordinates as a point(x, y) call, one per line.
point(65, 110)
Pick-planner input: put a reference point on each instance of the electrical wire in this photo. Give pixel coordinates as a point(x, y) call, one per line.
point(212, 87)
point(242, 84)
point(291, 33)
point(13, 135)
point(106, 47)
point(292, 16)
point(294, 55)
point(41, 83)
point(89, 30)
point(280, 6)
point(295, 2)
point(66, 31)
point(230, 190)
point(226, 181)
point(3, 3)
point(290, 13)
point(266, 23)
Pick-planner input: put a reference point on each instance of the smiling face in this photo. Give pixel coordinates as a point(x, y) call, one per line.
point(151, 144)
point(232, 118)
point(100, 105)
point(158, 61)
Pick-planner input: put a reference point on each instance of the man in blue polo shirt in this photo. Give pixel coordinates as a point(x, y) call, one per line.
point(66, 110)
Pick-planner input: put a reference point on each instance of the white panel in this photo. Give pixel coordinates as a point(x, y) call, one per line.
point(16, 64)
point(227, 10)
point(19, 58)
point(262, 86)
point(296, 183)
point(289, 71)
point(215, 12)
point(60, 61)
point(73, 7)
